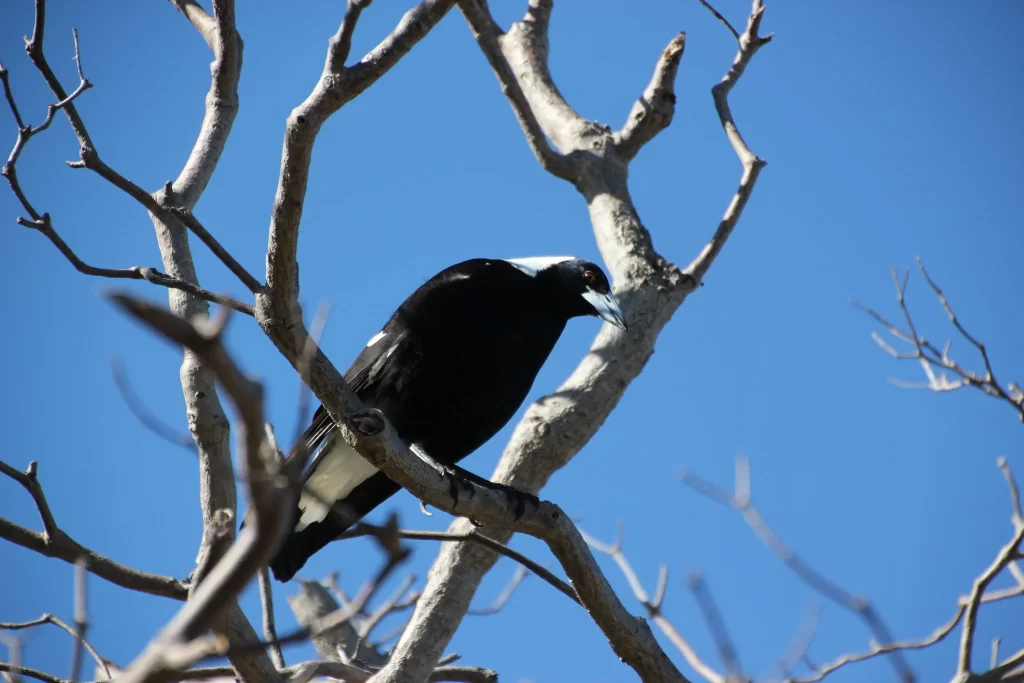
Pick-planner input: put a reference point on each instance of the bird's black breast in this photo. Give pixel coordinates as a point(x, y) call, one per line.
point(459, 357)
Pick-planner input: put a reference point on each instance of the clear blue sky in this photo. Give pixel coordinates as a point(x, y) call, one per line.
point(891, 130)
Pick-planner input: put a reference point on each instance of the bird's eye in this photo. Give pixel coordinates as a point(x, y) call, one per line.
point(589, 277)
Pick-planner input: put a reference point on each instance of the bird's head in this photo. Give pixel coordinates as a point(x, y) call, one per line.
point(580, 284)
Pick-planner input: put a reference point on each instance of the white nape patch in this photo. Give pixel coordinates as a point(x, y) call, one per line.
point(376, 338)
point(336, 475)
point(534, 264)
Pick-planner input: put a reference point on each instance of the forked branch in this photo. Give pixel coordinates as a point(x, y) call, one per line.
point(934, 359)
point(54, 542)
point(742, 502)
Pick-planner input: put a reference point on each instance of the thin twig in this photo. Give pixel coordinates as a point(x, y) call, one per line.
point(483, 28)
point(388, 539)
point(503, 597)
point(44, 225)
point(1006, 554)
point(742, 503)
point(395, 603)
point(76, 634)
point(13, 643)
point(143, 415)
point(798, 646)
point(653, 605)
point(362, 529)
point(31, 673)
point(54, 542)
point(270, 496)
point(269, 628)
point(718, 15)
point(977, 597)
point(750, 41)
point(197, 228)
point(934, 359)
point(81, 612)
point(716, 624)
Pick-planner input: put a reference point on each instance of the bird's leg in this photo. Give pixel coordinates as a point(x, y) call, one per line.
point(520, 498)
point(461, 478)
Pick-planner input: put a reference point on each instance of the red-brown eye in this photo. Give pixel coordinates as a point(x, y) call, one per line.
point(589, 277)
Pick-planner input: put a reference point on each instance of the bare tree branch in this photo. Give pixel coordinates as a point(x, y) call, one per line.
point(716, 624)
point(474, 536)
point(930, 356)
point(742, 503)
point(395, 603)
point(221, 100)
point(182, 639)
point(204, 23)
point(311, 606)
point(25, 132)
point(13, 644)
point(733, 31)
point(54, 542)
point(368, 432)
point(965, 606)
point(750, 41)
point(651, 289)
point(143, 414)
point(81, 623)
point(209, 427)
point(653, 605)
point(307, 671)
point(337, 85)
point(1006, 555)
point(503, 597)
point(485, 31)
point(31, 673)
point(798, 646)
point(877, 649)
point(44, 225)
point(654, 110)
point(76, 632)
point(269, 627)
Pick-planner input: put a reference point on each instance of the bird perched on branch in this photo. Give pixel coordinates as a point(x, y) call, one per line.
point(448, 370)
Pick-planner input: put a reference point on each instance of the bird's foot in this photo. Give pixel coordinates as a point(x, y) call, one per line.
point(367, 422)
point(521, 498)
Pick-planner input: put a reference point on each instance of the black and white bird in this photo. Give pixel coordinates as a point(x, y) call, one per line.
point(448, 370)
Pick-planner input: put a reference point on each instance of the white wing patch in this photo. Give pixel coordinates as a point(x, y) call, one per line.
point(534, 264)
point(376, 338)
point(336, 475)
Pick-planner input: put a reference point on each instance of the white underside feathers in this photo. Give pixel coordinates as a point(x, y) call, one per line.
point(336, 475)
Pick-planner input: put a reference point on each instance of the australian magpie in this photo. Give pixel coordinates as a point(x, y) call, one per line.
point(449, 370)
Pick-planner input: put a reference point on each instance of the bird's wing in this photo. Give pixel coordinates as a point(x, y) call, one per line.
point(392, 345)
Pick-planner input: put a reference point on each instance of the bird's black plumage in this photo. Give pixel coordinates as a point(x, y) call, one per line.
point(449, 370)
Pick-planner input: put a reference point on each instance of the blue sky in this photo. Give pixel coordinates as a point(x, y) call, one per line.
point(891, 131)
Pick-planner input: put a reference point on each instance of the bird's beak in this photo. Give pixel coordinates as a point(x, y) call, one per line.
point(607, 308)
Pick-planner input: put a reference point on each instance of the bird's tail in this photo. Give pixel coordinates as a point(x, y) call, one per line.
point(301, 544)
